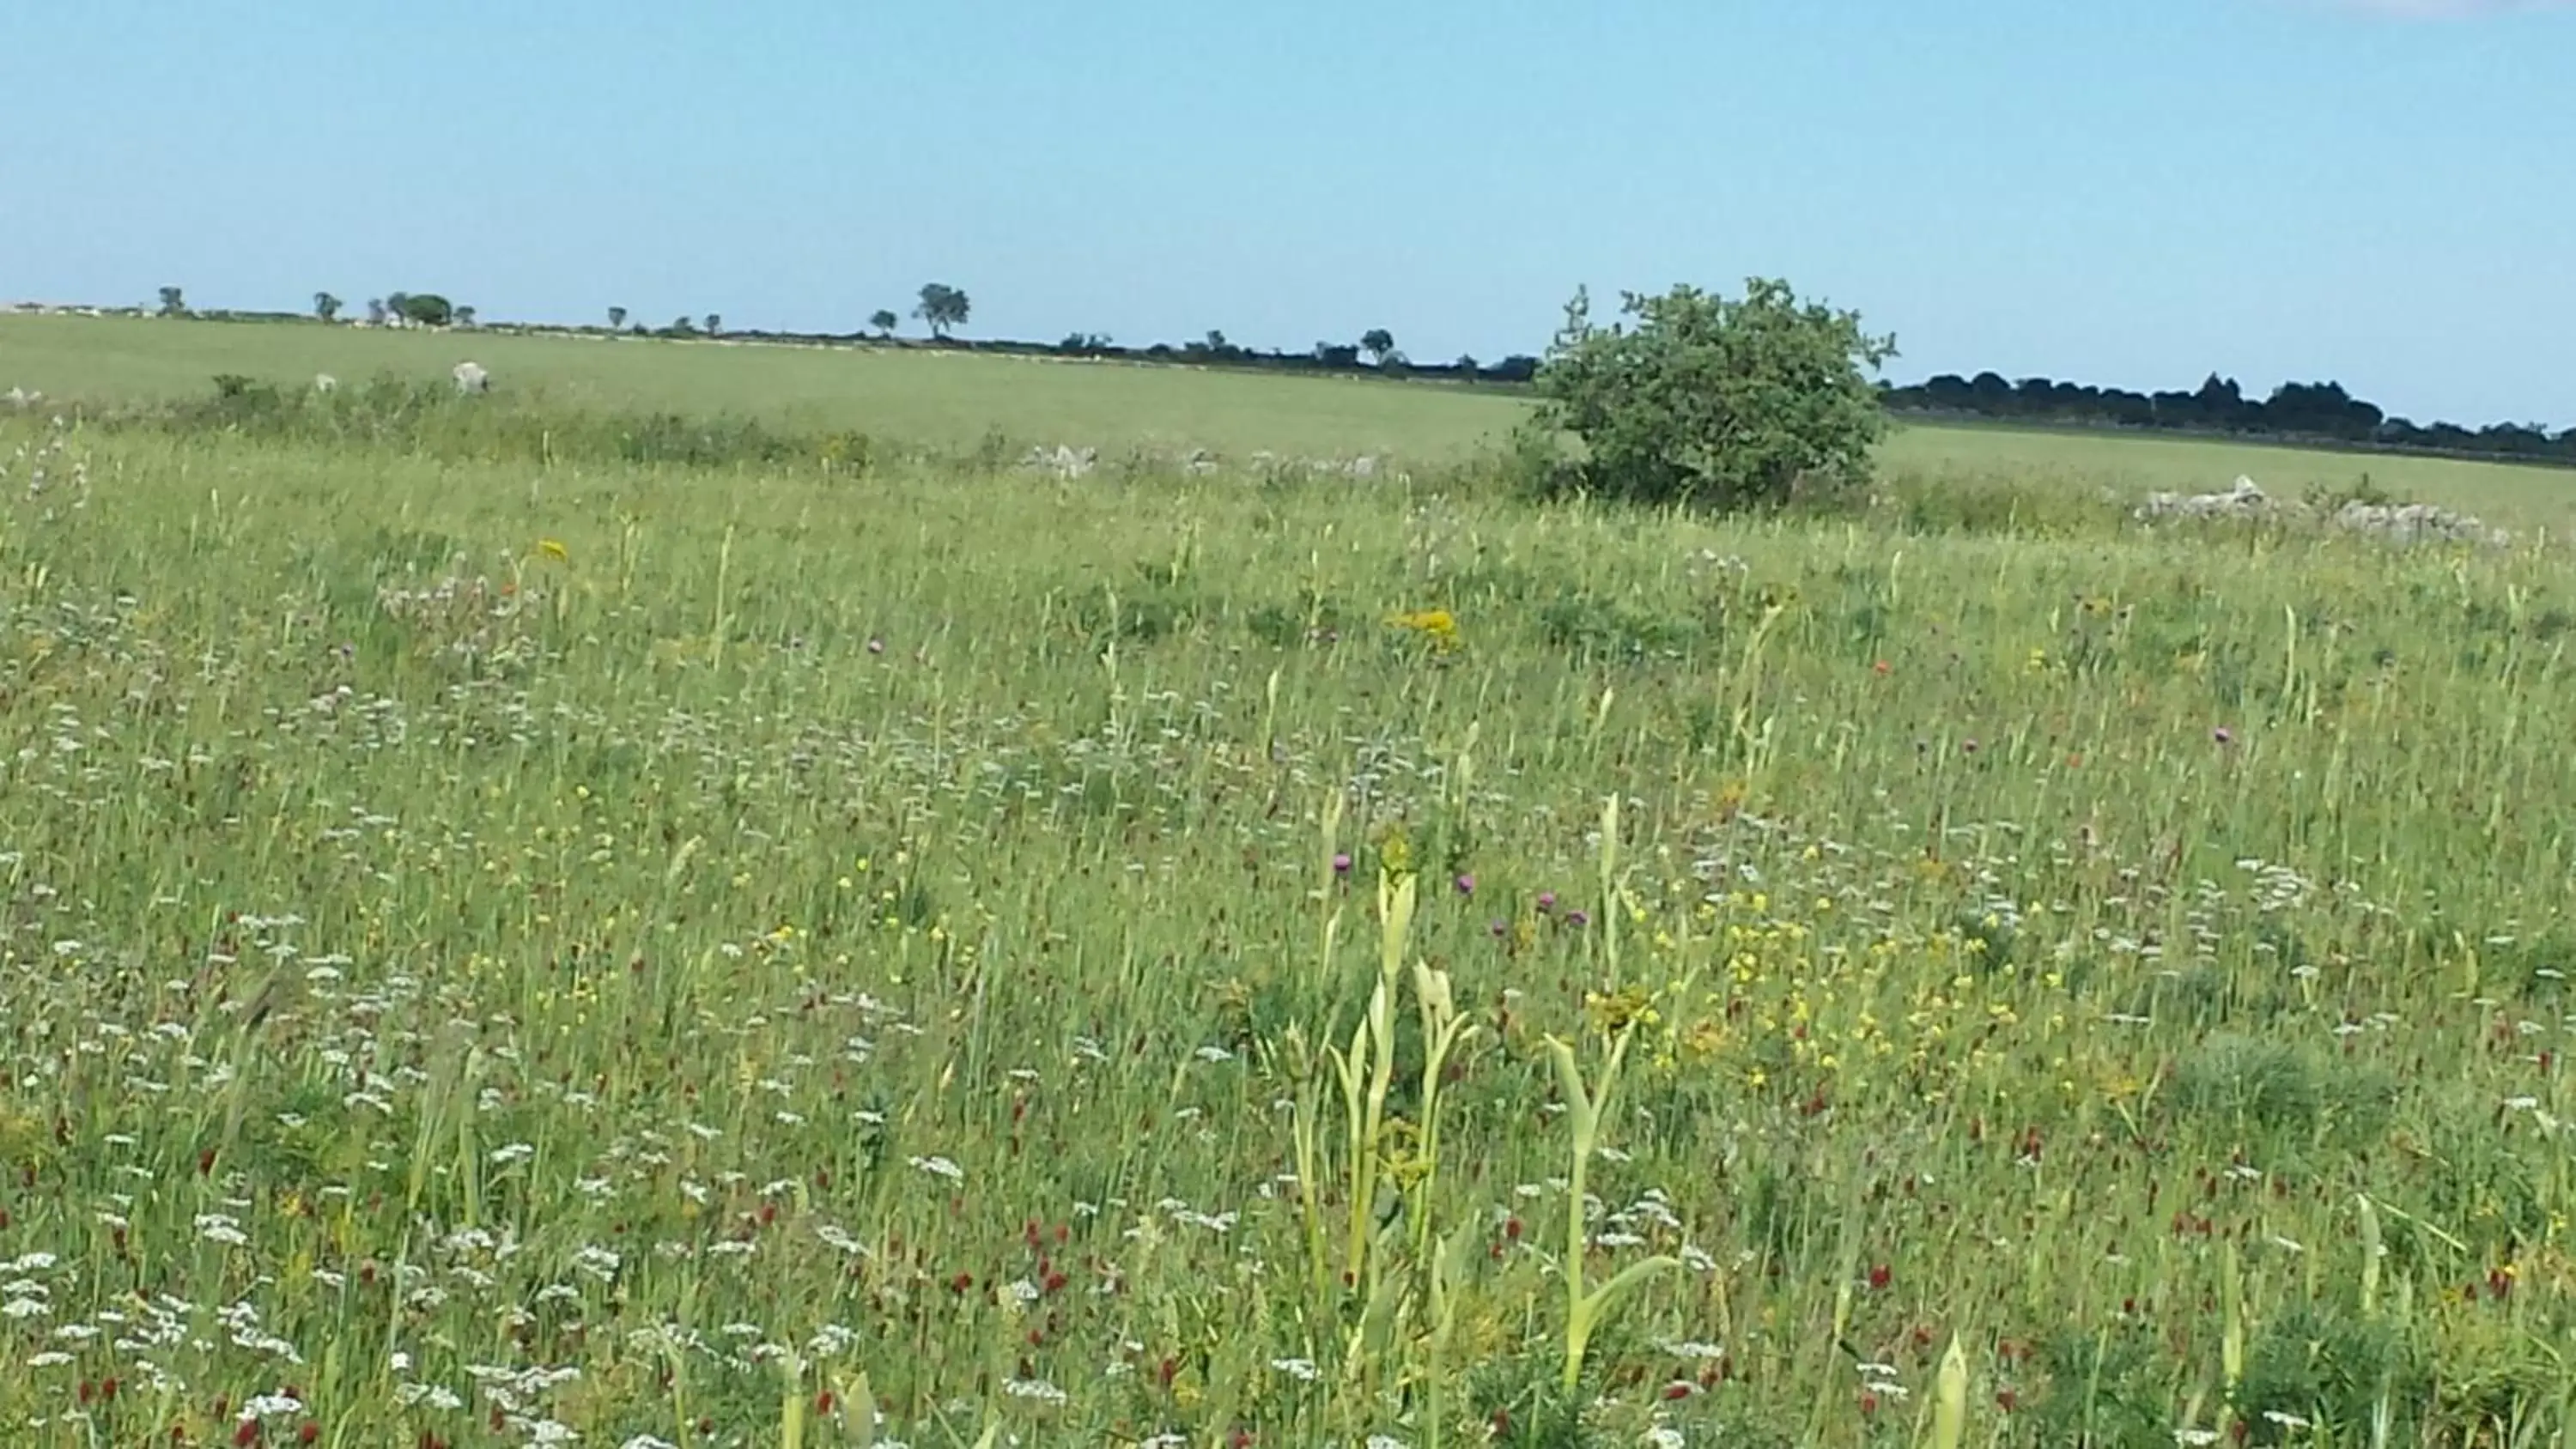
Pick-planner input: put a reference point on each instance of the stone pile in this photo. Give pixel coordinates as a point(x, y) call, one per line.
point(1066, 461)
point(2418, 522)
point(2242, 501)
point(2400, 523)
point(1062, 461)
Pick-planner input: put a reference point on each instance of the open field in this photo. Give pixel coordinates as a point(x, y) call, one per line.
point(919, 395)
point(948, 399)
point(501, 952)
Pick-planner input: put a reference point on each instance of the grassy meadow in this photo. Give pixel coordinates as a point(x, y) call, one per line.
point(512, 954)
point(951, 401)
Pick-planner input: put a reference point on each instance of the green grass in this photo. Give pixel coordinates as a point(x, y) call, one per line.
point(929, 397)
point(951, 400)
point(675, 956)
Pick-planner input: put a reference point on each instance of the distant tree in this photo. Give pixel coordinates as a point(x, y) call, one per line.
point(424, 309)
point(683, 326)
point(942, 307)
point(1337, 354)
point(376, 310)
point(2320, 408)
point(2128, 409)
point(1377, 342)
point(326, 306)
point(884, 320)
point(715, 323)
point(2222, 403)
point(1079, 343)
point(1466, 366)
point(398, 306)
point(1713, 401)
point(174, 303)
point(616, 318)
point(464, 316)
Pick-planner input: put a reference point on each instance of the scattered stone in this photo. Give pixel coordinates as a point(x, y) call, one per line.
point(2394, 522)
point(2242, 501)
point(2416, 522)
point(1063, 461)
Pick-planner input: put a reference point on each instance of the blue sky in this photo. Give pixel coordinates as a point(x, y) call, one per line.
point(2113, 192)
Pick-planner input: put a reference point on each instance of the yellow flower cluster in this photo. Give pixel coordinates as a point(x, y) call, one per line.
point(1765, 992)
point(1437, 626)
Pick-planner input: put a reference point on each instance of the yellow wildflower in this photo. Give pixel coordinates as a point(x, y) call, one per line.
point(1438, 626)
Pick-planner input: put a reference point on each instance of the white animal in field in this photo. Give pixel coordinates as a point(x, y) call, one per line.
point(471, 378)
point(325, 382)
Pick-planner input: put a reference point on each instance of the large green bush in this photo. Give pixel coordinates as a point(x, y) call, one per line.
point(1711, 401)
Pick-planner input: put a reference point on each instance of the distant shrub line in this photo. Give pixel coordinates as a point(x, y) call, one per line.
point(417, 418)
point(433, 419)
point(2309, 415)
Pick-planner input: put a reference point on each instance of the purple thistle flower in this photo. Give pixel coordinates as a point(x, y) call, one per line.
point(1342, 863)
point(2223, 735)
point(1501, 928)
point(1578, 918)
point(1466, 885)
point(876, 646)
point(1546, 902)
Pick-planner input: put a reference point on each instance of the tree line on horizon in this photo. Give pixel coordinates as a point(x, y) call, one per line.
point(2313, 412)
point(2301, 411)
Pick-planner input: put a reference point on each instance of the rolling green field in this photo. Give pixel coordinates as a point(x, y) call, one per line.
point(950, 399)
point(505, 954)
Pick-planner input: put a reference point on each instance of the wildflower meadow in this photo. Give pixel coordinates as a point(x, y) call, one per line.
point(528, 951)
